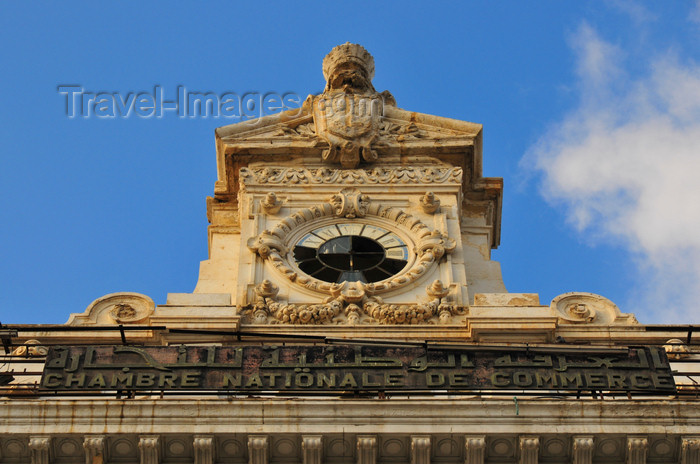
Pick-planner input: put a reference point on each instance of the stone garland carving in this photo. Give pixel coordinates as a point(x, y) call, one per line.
point(379, 175)
point(430, 245)
point(305, 130)
point(351, 300)
point(400, 132)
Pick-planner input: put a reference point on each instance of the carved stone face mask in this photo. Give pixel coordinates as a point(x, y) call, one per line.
point(350, 77)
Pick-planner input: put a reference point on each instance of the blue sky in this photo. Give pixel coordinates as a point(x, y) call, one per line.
point(591, 114)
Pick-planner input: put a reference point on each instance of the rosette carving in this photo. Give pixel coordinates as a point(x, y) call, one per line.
point(588, 308)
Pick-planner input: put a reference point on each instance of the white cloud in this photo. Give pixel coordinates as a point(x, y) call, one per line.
point(626, 165)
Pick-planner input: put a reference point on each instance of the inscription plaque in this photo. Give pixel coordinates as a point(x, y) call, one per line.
point(353, 368)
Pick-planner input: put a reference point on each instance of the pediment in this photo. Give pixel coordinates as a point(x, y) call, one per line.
point(397, 128)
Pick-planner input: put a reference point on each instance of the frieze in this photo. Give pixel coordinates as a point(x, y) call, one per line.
point(342, 368)
point(381, 175)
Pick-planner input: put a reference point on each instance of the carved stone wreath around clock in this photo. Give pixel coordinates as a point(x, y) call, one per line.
point(425, 247)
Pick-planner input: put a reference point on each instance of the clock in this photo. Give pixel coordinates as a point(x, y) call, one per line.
point(351, 251)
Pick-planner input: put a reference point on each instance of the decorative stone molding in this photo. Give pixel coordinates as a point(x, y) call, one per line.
point(676, 349)
point(380, 175)
point(390, 130)
point(429, 245)
point(311, 449)
point(203, 449)
point(348, 113)
point(350, 203)
point(637, 449)
point(265, 294)
point(475, 449)
point(39, 448)
point(149, 449)
point(30, 348)
point(116, 308)
point(429, 203)
point(258, 449)
point(95, 446)
point(690, 450)
point(271, 204)
point(420, 449)
point(582, 447)
point(529, 449)
point(339, 310)
point(366, 449)
point(588, 308)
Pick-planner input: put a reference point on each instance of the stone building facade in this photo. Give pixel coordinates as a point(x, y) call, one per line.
point(354, 224)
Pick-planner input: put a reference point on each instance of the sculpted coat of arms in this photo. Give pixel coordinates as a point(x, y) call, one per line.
point(348, 113)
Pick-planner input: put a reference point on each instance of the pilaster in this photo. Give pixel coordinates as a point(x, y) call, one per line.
point(366, 449)
point(529, 449)
point(258, 449)
point(690, 450)
point(420, 449)
point(39, 447)
point(149, 449)
point(312, 449)
point(637, 449)
point(203, 449)
point(94, 449)
point(475, 452)
point(583, 449)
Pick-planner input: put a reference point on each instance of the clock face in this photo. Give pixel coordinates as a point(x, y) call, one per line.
point(351, 252)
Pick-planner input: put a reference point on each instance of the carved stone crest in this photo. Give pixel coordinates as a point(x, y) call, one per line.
point(349, 112)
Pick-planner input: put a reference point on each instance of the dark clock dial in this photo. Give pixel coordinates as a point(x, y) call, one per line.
point(351, 252)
